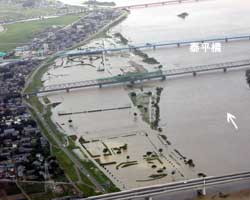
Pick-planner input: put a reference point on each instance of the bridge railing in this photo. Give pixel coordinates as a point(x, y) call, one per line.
point(134, 77)
point(150, 191)
point(154, 45)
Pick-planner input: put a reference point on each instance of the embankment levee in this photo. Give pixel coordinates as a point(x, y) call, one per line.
point(104, 29)
point(37, 108)
point(38, 72)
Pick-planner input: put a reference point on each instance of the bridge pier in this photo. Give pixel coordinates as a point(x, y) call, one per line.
point(100, 85)
point(225, 69)
point(148, 198)
point(226, 39)
point(163, 78)
point(194, 73)
point(67, 90)
point(154, 47)
point(178, 44)
point(202, 192)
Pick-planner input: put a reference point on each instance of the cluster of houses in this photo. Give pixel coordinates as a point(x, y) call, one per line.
point(57, 38)
point(24, 152)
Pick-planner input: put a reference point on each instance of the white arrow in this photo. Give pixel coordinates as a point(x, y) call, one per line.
point(231, 118)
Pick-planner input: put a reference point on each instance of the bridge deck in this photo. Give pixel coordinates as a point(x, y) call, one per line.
point(139, 77)
point(160, 3)
point(197, 184)
point(154, 45)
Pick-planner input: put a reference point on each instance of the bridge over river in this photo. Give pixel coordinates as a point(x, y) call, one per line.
point(176, 43)
point(133, 78)
point(200, 184)
point(160, 3)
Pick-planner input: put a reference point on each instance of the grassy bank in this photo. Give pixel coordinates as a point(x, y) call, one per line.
point(20, 33)
point(64, 161)
point(15, 12)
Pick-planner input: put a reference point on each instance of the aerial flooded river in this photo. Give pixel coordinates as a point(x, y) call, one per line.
point(192, 109)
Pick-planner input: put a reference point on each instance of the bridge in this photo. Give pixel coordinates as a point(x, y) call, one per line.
point(161, 3)
point(200, 184)
point(153, 46)
point(132, 78)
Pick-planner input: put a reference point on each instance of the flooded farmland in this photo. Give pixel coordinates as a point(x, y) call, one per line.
point(192, 110)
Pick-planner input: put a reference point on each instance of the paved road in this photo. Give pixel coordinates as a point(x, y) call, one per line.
point(70, 155)
point(228, 188)
point(187, 185)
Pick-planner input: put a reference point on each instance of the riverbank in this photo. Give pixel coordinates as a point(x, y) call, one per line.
point(163, 163)
point(40, 108)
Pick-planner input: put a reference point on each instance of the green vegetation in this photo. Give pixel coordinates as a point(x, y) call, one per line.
point(63, 160)
point(47, 117)
point(31, 188)
point(42, 128)
point(65, 163)
point(37, 79)
point(16, 12)
point(34, 193)
point(146, 59)
point(46, 100)
point(122, 38)
point(102, 33)
point(141, 100)
point(88, 187)
point(72, 144)
point(19, 33)
point(88, 191)
point(100, 176)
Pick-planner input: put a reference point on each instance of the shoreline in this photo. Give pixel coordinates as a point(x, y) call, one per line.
point(138, 52)
point(39, 107)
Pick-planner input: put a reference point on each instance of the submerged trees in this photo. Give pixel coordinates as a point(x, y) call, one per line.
point(248, 76)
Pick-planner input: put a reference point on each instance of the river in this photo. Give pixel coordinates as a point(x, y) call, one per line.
point(192, 109)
